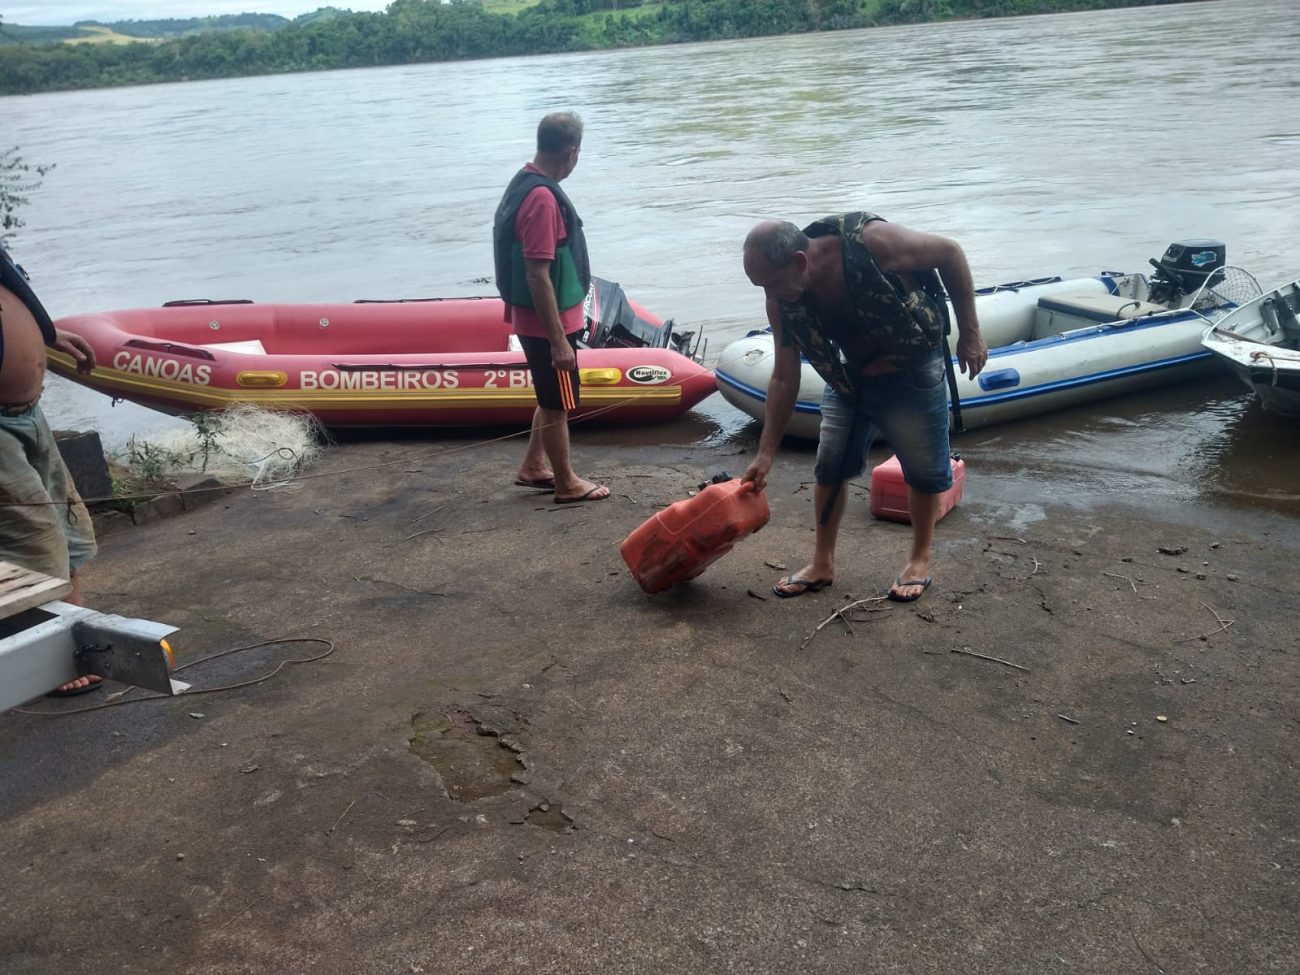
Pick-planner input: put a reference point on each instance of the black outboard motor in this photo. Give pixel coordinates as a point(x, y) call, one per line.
point(612, 323)
point(1185, 267)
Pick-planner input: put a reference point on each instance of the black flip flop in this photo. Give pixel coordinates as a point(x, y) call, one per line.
point(541, 483)
point(75, 691)
point(899, 583)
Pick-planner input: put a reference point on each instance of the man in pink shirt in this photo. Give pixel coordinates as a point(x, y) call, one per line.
point(543, 274)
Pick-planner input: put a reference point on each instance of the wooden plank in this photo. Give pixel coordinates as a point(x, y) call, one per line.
point(21, 589)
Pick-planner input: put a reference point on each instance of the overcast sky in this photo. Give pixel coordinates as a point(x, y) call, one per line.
point(58, 13)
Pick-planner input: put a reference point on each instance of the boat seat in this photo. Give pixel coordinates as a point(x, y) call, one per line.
point(1063, 313)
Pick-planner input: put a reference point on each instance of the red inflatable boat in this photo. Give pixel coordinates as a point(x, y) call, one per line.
point(434, 362)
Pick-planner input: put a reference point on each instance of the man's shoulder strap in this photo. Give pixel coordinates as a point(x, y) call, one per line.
point(14, 278)
point(526, 181)
point(844, 225)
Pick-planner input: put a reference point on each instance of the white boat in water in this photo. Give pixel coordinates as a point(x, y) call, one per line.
point(1260, 343)
point(1053, 342)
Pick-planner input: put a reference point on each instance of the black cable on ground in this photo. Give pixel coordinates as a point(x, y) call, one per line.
point(329, 649)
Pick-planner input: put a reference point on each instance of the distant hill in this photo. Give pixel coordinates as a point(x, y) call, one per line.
point(127, 31)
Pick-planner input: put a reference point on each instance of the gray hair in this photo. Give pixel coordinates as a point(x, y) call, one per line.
point(778, 241)
point(558, 132)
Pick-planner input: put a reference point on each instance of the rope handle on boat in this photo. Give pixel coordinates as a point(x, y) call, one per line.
point(1259, 354)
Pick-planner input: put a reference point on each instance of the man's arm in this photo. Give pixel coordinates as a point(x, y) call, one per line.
point(77, 347)
point(901, 251)
point(538, 274)
point(782, 391)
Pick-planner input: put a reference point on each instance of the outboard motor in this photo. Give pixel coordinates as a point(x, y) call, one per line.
point(612, 323)
point(1185, 268)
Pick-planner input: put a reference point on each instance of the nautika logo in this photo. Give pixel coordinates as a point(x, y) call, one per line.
point(649, 375)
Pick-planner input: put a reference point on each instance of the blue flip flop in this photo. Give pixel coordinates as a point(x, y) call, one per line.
point(899, 583)
point(809, 585)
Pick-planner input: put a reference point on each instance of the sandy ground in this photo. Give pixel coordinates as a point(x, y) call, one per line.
point(515, 761)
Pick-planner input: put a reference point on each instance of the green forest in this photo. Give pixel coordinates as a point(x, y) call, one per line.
point(416, 31)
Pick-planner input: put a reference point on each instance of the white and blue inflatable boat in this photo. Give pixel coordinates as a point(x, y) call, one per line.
point(1053, 342)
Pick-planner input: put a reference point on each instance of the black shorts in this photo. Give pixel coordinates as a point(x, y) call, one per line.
point(555, 391)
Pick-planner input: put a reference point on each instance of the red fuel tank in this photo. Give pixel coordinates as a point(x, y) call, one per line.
point(889, 491)
point(681, 541)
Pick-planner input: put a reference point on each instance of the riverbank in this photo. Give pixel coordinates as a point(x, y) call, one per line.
point(514, 760)
point(36, 59)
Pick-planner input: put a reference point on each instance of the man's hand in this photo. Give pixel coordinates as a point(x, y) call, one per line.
point(563, 357)
point(77, 347)
point(757, 472)
point(972, 353)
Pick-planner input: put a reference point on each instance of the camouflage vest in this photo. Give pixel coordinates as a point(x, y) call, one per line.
point(906, 327)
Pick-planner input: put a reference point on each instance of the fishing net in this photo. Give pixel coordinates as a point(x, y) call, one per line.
point(239, 445)
point(1229, 286)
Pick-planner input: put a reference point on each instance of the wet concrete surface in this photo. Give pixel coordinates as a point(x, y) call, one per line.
point(514, 760)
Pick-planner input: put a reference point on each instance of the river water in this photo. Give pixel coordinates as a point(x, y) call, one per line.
point(1055, 144)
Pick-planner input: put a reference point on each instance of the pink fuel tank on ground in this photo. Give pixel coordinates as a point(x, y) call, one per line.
point(889, 491)
point(681, 541)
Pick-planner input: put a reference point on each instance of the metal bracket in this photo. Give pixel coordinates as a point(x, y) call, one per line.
point(56, 642)
point(126, 650)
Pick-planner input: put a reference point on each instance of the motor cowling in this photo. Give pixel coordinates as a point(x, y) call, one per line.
point(1186, 266)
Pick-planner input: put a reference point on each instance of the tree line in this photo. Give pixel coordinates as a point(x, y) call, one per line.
point(416, 31)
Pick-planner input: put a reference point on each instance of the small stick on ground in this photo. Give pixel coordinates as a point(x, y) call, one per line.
point(1066, 717)
point(1145, 954)
point(1129, 579)
point(389, 582)
point(427, 531)
point(340, 819)
point(429, 515)
point(984, 656)
point(839, 615)
point(1223, 624)
point(1037, 565)
point(1223, 627)
point(249, 907)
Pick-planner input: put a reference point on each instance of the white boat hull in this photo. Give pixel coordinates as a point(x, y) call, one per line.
point(1025, 376)
point(1260, 344)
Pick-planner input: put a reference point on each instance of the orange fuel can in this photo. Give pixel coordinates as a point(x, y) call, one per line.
point(889, 491)
point(688, 536)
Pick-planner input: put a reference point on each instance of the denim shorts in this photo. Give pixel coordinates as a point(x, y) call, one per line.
point(909, 408)
point(43, 524)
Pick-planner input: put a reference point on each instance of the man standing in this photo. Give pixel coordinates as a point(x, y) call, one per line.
point(43, 524)
point(543, 275)
point(860, 298)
